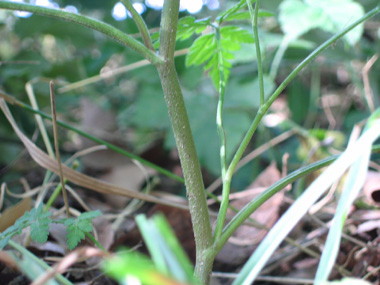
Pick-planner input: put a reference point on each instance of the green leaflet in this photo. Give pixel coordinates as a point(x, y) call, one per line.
point(37, 220)
point(204, 50)
point(77, 228)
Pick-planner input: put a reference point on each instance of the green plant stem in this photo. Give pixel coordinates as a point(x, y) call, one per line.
point(140, 24)
point(222, 136)
point(54, 196)
point(40, 262)
point(184, 140)
point(93, 24)
point(14, 101)
point(93, 239)
point(254, 16)
point(245, 213)
point(264, 108)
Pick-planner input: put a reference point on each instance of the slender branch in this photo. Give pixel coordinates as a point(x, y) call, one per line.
point(264, 108)
point(246, 212)
point(93, 24)
point(57, 153)
point(254, 16)
point(185, 142)
point(140, 23)
point(222, 136)
point(248, 209)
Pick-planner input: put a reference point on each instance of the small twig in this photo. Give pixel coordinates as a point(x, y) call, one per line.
point(54, 117)
point(367, 87)
point(68, 261)
point(140, 23)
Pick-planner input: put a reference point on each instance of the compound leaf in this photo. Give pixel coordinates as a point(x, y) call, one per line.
point(40, 221)
point(77, 228)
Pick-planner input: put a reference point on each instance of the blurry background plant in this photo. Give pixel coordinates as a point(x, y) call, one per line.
point(321, 105)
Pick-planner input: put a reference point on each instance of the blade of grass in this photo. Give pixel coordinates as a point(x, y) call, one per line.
point(56, 145)
point(149, 235)
point(354, 182)
point(26, 253)
point(300, 207)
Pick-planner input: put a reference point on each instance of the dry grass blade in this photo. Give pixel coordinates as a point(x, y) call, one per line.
point(57, 154)
point(73, 176)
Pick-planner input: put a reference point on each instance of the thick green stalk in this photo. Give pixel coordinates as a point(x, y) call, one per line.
point(184, 139)
point(254, 16)
point(93, 24)
point(139, 23)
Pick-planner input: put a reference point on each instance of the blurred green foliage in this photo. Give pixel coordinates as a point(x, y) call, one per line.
point(39, 47)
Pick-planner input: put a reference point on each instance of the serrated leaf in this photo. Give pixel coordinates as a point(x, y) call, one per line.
point(245, 15)
point(232, 11)
point(238, 16)
point(204, 50)
point(89, 215)
point(74, 234)
point(201, 50)
point(40, 224)
point(78, 227)
point(188, 26)
point(236, 34)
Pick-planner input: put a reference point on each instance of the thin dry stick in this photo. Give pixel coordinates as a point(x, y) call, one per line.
point(367, 88)
point(58, 156)
point(70, 259)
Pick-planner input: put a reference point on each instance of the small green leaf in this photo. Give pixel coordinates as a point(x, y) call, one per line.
point(232, 11)
point(40, 221)
point(201, 50)
point(205, 51)
point(188, 26)
point(37, 219)
point(74, 234)
point(77, 228)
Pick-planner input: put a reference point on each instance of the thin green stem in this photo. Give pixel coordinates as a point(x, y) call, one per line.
point(93, 239)
point(254, 17)
point(264, 108)
point(140, 23)
point(93, 24)
point(278, 57)
point(184, 140)
point(244, 213)
point(38, 261)
point(222, 136)
point(247, 211)
point(219, 113)
point(14, 101)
